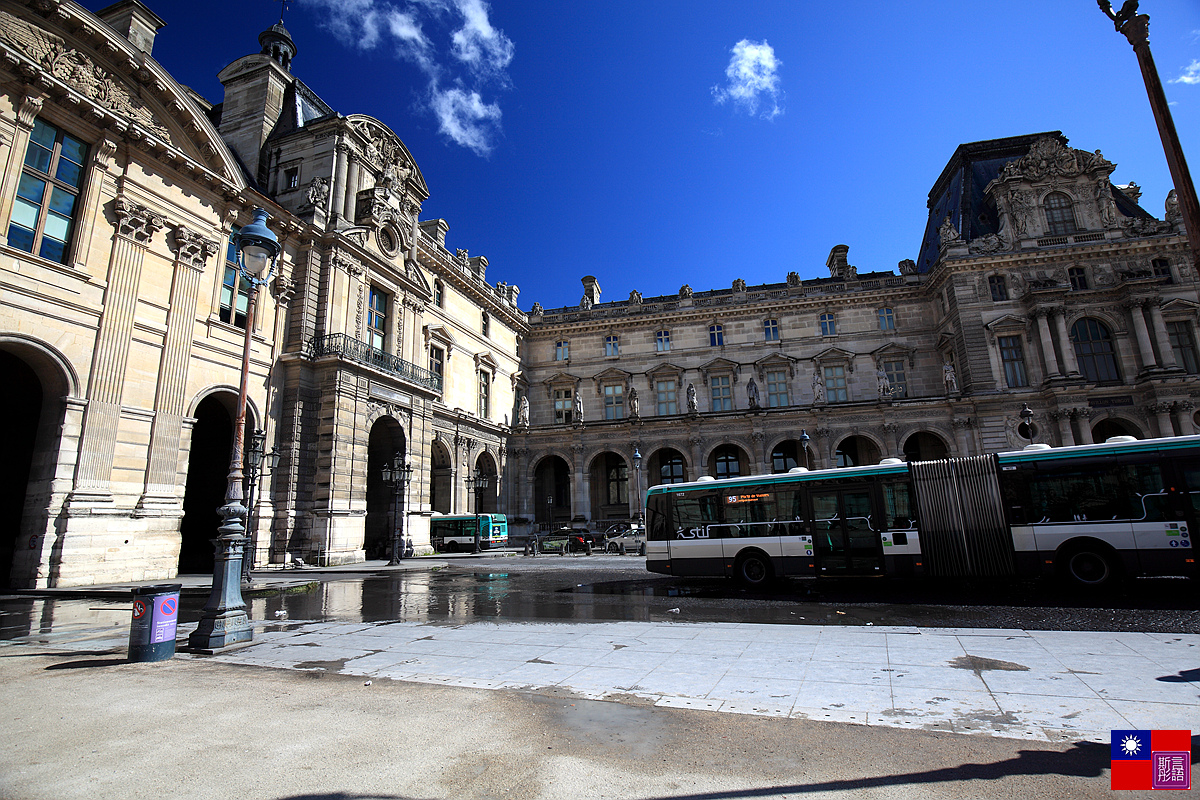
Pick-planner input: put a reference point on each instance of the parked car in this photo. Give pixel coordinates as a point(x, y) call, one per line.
point(568, 540)
point(629, 540)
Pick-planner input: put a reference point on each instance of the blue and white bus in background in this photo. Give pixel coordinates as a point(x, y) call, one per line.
point(468, 532)
point(1089, 513)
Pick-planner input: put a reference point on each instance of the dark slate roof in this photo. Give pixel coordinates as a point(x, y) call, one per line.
point(301, 106)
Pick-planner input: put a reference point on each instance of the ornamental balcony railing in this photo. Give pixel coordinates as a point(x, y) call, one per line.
point(339, 344)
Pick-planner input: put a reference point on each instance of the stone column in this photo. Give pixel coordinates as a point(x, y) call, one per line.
point(1084, 416)
point(27, 108)
point(337, 198)
point(135, 226)
point(1047, 344)
point(1183, 415)
point(961, 436)
point(192, 254)
point(697, 455)
point(1070, 364)
point(759, 457)
point(522, 484)
point(1162, 414)
point(1166, 354)
point(1145, 349)
point(1064, 427)
point(890, 431)
point(581, 501)
point(351, 187)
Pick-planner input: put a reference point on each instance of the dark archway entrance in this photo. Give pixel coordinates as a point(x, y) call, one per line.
point(611, 487)
point(485, 499)
point(21, 408)
point(666, 466)
point(1107, 428)
point(728, 461)
point(385, 441)
point(924, 446)
point(552, 479)
point(439, 479)
point(207, 478)
point(856, 451)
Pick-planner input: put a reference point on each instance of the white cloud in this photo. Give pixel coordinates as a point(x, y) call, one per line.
point(1191, 74)
point(753, 80)
point(465, 118)
point(454, 44)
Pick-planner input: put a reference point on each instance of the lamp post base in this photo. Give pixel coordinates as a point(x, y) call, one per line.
point(224, 621)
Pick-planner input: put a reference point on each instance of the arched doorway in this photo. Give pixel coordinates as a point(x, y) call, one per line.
point(1107, 428)
point(383, 443)
point(439, 479)
point(552, 492)
point(611, 489)
point(856, 451)
point(924, 446)
point(207, 479)
point(789, 454)
point(728, 461)
point(21, 407)
point(666, 466)
point(486, 498)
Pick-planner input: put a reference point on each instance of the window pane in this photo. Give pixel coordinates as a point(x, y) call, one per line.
point(31, 188)
point(38, 158)
point(73, 149)
point(43, 134)
point(62, 202)
point(20, 238)
point(56, 226)
point(25, 214)
point(52, 249)
point(68, 172)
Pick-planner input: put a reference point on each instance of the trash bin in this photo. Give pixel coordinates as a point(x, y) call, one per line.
point(155, 614)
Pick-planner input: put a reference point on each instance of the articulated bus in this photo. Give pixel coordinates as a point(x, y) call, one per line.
point(468, 532)
point(1090, 514)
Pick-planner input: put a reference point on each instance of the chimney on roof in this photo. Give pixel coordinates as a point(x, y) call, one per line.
point(591, 290)
point(134, 21)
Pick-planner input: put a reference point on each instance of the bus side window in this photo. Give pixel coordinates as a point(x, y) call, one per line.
point(656, 517)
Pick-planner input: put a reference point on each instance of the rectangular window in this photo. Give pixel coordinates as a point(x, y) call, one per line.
point(777, 389)
point(716, 336)
point(667, 403)
point(1078, 279)
point(563, 407)
point(377, 319)
point(896, 378)
point(234, 315)
point(439, 293)
point(1013, 358)
point(1162, 269)
point(612, 346)
point(485, 323)
point(562, 351)
point(887, 319)
point(48, 193)
point(722, 393)
point(662, 341)
point(618, 484)
point(771, 330)
point(835, 384)
point(828, 325)
point(437, 361)
point(1183, 346)
point(614, 401)
point(998, 287)
point(291, 178)
point(485, 404)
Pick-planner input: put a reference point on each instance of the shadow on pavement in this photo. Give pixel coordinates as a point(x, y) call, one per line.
point(344, 796)
point(101, 662)
point(1184, 676)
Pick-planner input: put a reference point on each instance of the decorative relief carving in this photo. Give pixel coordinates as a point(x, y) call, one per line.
point(793, 278)
point(30, 107)
point(318, 193)
point(948, 234)
point(907, 267)
point(537, 309)
point(1050, 158)
point(739, 285)
point(193, 249)
point(79, 72)
point(134, 221)
point(685, 291)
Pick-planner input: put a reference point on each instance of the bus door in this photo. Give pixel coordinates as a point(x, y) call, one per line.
point(844, 533)
point(695, 545)
point(749, 521)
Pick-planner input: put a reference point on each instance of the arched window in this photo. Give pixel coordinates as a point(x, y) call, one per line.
point(671, 467)
point(1060, 216)
point(1094, 351)
point(727, 463)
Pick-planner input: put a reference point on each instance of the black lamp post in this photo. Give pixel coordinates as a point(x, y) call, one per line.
point(1027, 420)
point(475, 484)
point(255, 459)
point(397, 475)
point(804, 439)
point(637, 481)
point(223, 621)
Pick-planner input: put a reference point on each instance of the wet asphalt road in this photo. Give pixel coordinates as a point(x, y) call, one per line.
point(607, 588)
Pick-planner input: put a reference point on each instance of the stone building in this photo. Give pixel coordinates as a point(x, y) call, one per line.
point(1038, 282)
point(122, 317)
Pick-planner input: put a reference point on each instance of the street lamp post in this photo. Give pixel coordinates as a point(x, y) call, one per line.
point(804, 439)
point(255, 458)
point(1136, 28)
point(223, 621)
point(475, 484)
point(397, 475)
point(1027, 420)
point(637, 481)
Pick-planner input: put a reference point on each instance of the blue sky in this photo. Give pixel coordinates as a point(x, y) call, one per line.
point(656, 143)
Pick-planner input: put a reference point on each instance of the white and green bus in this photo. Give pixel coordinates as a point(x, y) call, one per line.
point(468, 532)
point(1090, 513)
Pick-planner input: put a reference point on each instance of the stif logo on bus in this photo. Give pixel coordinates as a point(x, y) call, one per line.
point(1151, 759)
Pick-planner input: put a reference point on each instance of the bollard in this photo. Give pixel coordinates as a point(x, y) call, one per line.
point(155, 617)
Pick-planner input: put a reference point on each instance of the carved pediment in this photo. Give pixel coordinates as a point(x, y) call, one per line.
point(1049, 158)
point(1007, 323)
point(1179, 307)
point(776, 360)
point(893, 350)
point(834, 355)
point(720, 365)
point(440, 335)
point(486, 360)
point(610, 376)
point(387, 154)
point(561, 380)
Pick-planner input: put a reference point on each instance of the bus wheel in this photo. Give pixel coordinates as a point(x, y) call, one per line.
point(753, 570)
point(451, 547)
point(1089, 567)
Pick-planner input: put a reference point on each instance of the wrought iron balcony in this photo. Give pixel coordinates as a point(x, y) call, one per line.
point(339, 344)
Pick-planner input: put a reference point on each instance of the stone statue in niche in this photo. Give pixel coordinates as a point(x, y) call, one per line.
point(818, 387)
point(537, 310)
point(691, 399)
point(949, 378)
point(907, 267)
point(635, 298)
point(885, 384)
point(1020, 209)
point(948, 233)
point(523, 413)
point(685, 291)
point(318, 192)
point(1104, 199)
point(578, 407)
point(1173, 214)
point(752, 393)
point(635, 405)
point(739, 285)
